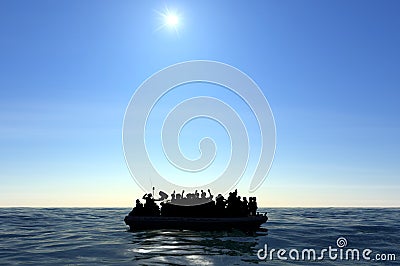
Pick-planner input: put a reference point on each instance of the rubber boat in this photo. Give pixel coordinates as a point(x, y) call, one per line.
point(249, 223)
point(196, 213)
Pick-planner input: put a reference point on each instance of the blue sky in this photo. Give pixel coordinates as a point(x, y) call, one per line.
point(329, 69)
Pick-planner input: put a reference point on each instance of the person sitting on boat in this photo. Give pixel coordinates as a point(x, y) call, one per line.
point(203, 194)
point(163, 196)
point(139, 205)
point(178, 196)
point(138, 209)
point(189, 196)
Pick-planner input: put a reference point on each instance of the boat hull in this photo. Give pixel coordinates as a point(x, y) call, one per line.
point(250, 223)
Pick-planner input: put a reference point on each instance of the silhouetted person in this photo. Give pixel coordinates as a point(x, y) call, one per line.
point(173, 196)
point(189, 195)
point(220, 205)
point(210, 195)
point(252, 206)
point(231, 198)
point(244, 207)
point(204, 206)
point(232, 204)
point(148, 197)
point(150, 207)
point(138, 209)
point(163, 196)
point(203, 194)
point(139, 205)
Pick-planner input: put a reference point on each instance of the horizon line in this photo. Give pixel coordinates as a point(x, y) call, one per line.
point(271, 207)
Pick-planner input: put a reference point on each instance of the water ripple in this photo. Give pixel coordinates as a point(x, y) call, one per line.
point(52, 236)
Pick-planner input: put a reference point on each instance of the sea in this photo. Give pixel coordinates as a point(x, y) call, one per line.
point(98, 236)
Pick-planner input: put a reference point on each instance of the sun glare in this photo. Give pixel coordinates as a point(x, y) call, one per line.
point(170, 19)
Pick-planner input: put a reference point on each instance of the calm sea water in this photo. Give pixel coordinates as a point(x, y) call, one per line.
point(75, 236)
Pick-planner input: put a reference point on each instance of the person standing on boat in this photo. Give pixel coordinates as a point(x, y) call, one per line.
point(210, 197)
point(220, 205)
point(150, 207)
point(203, 194)
point(252, 206)
point(244, 207)
point(173, 196)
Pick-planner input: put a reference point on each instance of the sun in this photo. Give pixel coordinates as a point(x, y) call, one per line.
point(170, 19)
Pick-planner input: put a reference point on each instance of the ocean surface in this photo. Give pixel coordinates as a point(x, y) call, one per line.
point(87, 236)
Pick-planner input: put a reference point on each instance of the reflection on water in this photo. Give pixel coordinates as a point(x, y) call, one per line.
point(193, 247)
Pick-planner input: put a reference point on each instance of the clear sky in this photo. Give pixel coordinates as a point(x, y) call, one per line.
point(329, 69)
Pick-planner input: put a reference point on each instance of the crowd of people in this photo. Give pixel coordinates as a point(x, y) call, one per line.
point(195, 197)
point(235, 206)
point(196, 205)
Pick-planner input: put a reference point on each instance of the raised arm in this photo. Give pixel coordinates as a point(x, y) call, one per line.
point(209, 192)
